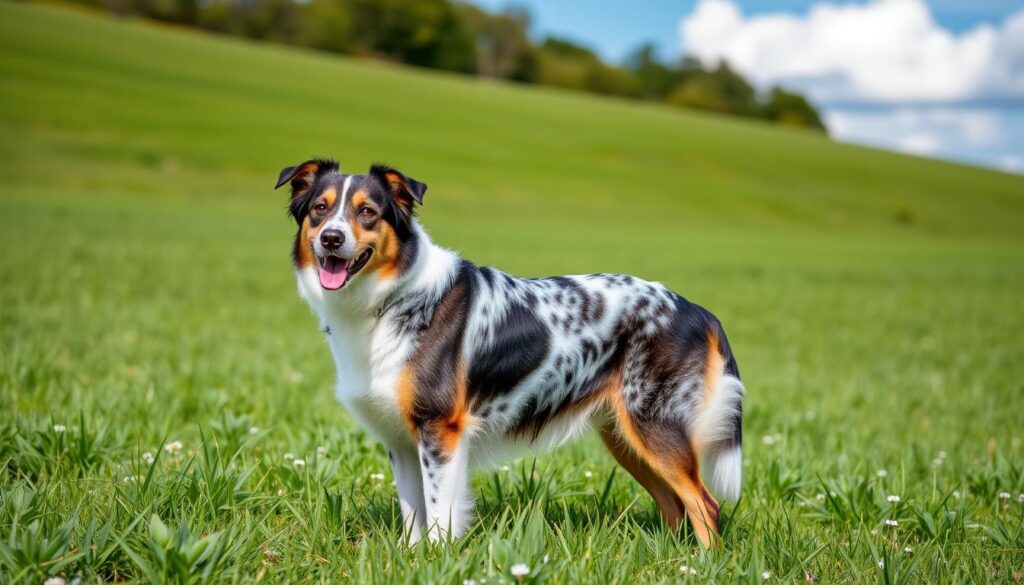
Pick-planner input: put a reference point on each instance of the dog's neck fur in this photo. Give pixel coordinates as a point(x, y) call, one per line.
point(358, 306)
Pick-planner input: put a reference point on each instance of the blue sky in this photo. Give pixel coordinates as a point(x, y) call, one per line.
point(941, 78)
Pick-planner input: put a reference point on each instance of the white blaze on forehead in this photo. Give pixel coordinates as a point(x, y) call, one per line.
point(337, 221)
point(344, 191)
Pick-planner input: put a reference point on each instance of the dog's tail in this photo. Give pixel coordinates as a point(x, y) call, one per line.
point(718, 429)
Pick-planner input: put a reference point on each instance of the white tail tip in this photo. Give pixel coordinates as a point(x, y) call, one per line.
point(723, 470)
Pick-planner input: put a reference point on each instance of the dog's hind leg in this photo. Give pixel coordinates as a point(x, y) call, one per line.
point(664, 448)
point(668, 502)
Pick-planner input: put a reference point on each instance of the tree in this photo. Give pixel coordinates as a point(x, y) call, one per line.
point(503, 49)
point(720, 90)
point(427, 33)
point(792, 110)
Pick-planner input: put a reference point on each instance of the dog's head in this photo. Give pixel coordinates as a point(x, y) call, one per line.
point(351, 225)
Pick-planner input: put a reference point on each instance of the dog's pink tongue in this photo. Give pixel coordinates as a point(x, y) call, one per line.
point(333, 273)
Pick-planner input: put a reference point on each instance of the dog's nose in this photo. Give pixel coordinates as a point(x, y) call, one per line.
point(332, 239)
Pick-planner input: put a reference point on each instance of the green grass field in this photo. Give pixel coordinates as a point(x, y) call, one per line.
point(874, 302)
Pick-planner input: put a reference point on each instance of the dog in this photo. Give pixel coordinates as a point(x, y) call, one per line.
point(455, 366)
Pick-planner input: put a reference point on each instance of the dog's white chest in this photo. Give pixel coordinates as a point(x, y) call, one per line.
point(368, 364)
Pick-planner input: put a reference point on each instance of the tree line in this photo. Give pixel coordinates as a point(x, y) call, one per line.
point(462, 37)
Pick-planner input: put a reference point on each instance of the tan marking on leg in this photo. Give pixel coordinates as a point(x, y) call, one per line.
point(668, 502)
point(406, 390)
point(714, 367)
point(678, 470)
point(703, 514)
point(459, 418)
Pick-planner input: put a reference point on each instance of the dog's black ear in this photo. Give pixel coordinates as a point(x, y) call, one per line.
point(301, 177)
point(405, 190)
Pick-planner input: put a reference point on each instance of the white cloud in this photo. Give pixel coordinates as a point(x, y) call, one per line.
point(1012, 163)
point(982, 135)
point(921, 144)
point(885, 51)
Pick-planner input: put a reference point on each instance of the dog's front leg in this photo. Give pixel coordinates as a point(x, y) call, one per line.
point(406, 468)
point(444, 462)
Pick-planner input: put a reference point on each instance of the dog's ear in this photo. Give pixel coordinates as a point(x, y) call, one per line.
point(405, 190)
point(301, 177)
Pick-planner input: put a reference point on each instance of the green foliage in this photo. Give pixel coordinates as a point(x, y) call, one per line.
point(178, 556)
point(791, 109)
point(149, 309)
point(503, 49)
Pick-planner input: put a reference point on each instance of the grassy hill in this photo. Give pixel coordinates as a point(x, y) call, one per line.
point(873, 301)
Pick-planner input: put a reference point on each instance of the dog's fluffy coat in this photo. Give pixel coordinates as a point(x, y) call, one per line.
point(455, 366)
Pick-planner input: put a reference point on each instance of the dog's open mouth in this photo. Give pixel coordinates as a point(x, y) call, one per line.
point(335, 271)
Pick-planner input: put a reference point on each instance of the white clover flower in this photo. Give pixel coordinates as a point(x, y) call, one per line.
point(907, 550)
point(1020, 498)
point(1004, 495)
point(58, 429)
point(956, 494)
point(519, 570)
point(173, 447)
point(938, 461)
point(881, 563)
point(588, 474)
point(881, 473)
point(377, 476)
point(468, 582)
point(289, 456)
point(768, 439)
point(874, 531)
point(546, 559)
point(766, 575)
point(253, 430)
point(148, 458)
point(321, 451)
point(55, 580)
point(299, 463)
point(504, 468)
point(130, 478)
point(820, 497)
point(891, 523)
point(280, 492)
point(687, 570)
point(893, 499)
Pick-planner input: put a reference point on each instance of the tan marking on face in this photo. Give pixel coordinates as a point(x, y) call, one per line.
point(381, 237)
point(307, 233)
point(358, 199)
point(304, 244)
point(330, 195)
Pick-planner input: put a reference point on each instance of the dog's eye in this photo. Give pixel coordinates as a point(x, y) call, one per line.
point(366, 212)
point(320, 208)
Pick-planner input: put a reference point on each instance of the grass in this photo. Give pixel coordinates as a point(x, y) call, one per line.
point(873, 300)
